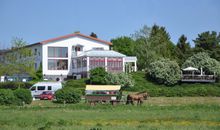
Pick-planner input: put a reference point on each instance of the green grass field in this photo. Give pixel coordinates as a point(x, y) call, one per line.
point(182, 113)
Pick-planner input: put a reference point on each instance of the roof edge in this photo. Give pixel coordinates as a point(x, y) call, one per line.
point(73, 35)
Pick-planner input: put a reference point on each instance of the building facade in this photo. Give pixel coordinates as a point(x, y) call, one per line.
point(74, 55)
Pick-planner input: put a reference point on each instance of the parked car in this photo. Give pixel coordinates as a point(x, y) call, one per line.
point(47, 95)
point(38, 88)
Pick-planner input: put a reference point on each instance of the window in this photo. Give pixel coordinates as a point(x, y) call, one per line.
point(57, 64)
point(35, 51)
point(74, 63)
point(79, 64)
point(84, 61)
point(40, 87)
point(33, 88)
point(58, 52)
point(98, 48)
point(115, 64)
point(96, 62)
point(49, 88)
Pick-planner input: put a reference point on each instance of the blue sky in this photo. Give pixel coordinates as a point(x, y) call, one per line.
point(37, 20)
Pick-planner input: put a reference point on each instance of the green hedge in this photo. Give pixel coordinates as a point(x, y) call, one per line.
point(7, 97)
point(68, 95)
point(186, 89)
point(15, 85)
point(23, 95)
point(15, 97)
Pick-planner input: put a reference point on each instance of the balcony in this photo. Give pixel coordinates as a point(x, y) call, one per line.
point(75, 54)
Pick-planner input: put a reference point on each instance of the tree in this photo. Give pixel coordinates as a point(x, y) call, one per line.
point(97, 75)
point(182, 49)
point(124, 45)
point(160, 41)
point(143, 33)
point(203, 60)
point(152, 44)
point(164, 71)
point(143, 49)
point(93, 35)
point(19, 60)
point(208, 42)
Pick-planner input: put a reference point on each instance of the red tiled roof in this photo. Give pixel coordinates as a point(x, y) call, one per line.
point(73, 35)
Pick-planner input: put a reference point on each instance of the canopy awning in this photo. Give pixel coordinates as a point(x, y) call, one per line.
point(190, 69)
point(103, 87)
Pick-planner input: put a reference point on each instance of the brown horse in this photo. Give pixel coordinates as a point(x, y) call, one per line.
point(139, 97)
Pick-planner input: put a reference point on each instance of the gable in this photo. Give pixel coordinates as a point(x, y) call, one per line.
point(74, 35)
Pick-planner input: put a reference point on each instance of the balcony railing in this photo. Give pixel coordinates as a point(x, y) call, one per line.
point(198, 78)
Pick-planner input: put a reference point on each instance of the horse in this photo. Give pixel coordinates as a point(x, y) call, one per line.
point(139, 97)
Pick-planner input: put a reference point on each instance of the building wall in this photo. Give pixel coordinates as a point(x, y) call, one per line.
point(37, 53)
point(87, 43)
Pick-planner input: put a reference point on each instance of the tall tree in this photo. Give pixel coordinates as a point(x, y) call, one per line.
point(19, 60)
point(151, 44)
point(208, 42)
point(143, 49)
point(182, 49)
point(124, 45)
point(160, 40)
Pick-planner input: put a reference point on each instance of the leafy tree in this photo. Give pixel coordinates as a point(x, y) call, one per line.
point(143, 49)
point(19, 59)
point(164, 71)
point(93, 35)
point(208, 42)
point(145, 53)
point(97, 75)
point(151, 44)
point(143, 33)
point(182, 49)
point(123, 45)
point(123, 79)
point(203, 60)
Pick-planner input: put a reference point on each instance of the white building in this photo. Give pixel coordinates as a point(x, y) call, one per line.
point(75, 54)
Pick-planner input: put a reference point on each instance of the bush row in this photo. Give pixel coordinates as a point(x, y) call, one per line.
point(183, 91)
point(180, 91)
point(15, 85)
point(15, 97)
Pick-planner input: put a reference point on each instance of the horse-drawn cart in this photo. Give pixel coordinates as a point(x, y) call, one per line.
point(103, 94)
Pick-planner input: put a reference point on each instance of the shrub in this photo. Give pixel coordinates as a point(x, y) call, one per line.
point(7, 97)
point(164, 71)
point(23, 95)
point(97, 75)
point(76, 84)
point(125, 80)
point(15, 85)
point(68, 95)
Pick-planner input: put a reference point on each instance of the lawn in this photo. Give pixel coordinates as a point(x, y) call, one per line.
point(156, 113)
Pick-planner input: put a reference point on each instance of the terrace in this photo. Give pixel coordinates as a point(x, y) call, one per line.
point(195, 75)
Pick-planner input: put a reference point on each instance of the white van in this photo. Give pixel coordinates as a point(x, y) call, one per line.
point(40, 87)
